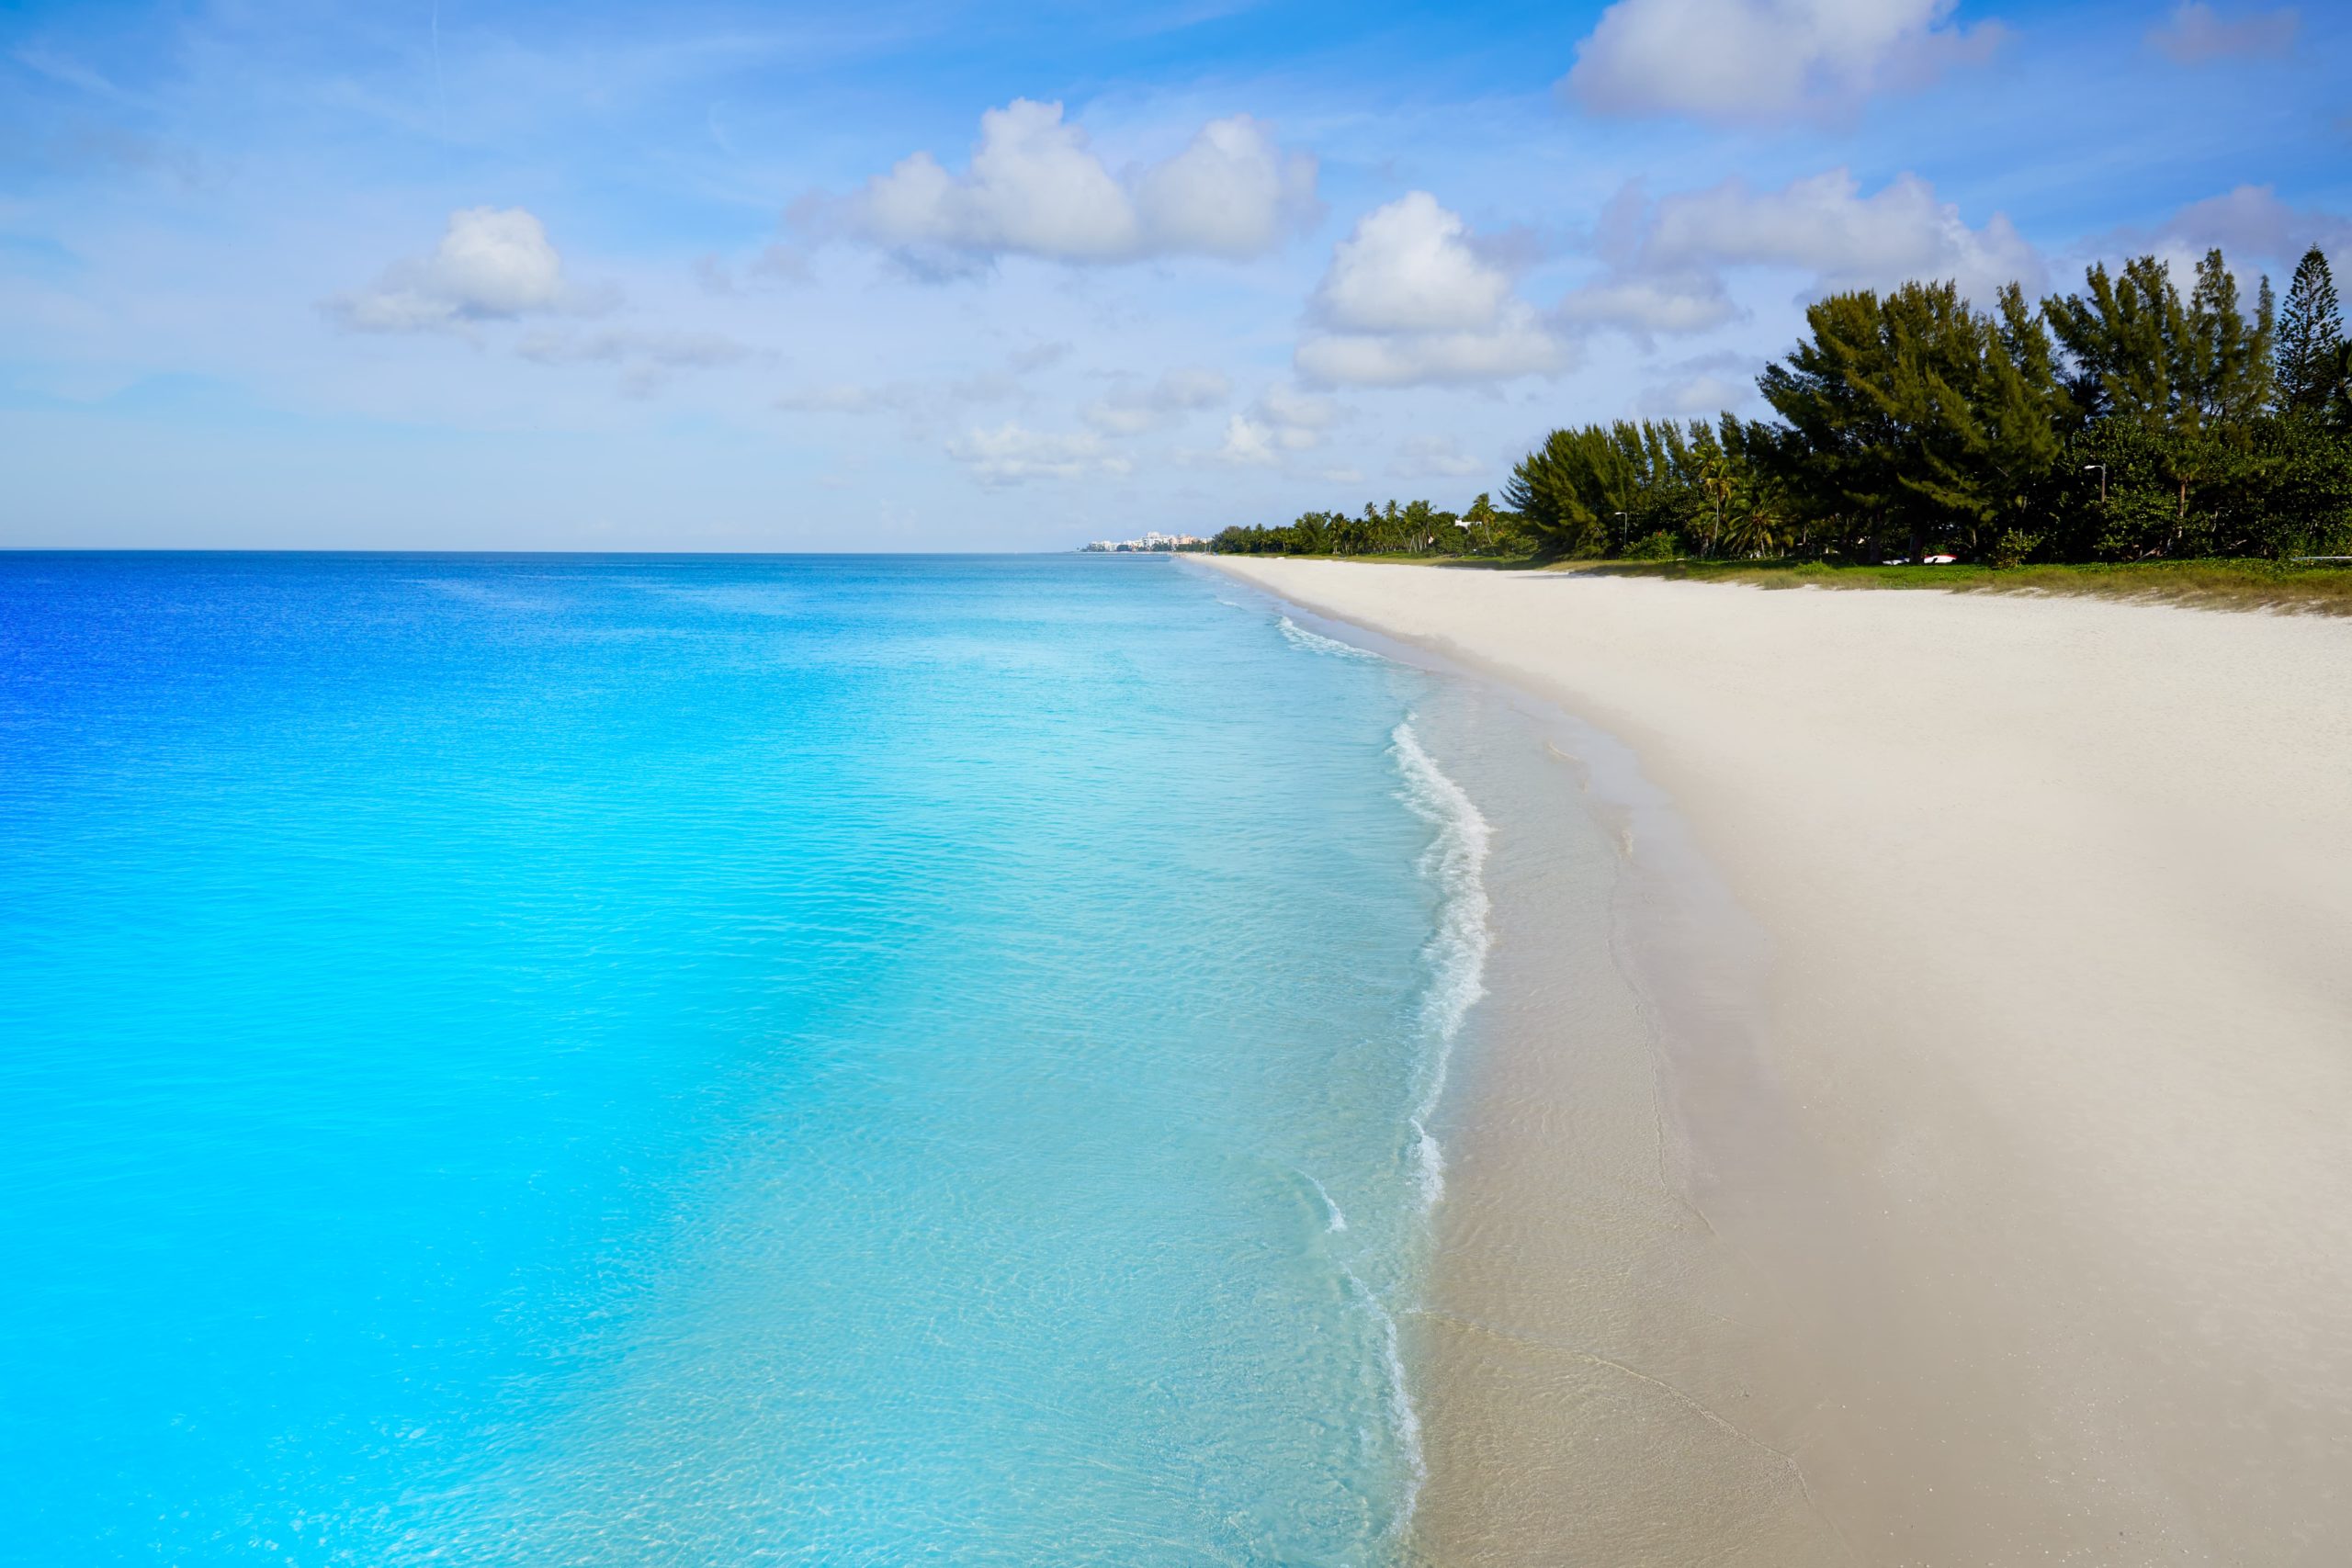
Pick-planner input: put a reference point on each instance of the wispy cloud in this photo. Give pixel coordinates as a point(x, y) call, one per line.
point(1133, 408)
point(1010, 454)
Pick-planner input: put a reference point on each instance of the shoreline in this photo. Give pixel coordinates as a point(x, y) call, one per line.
point(2027, 1231)
point(1569, 1270)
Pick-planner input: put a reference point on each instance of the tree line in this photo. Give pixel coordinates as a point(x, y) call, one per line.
point(2126, 422)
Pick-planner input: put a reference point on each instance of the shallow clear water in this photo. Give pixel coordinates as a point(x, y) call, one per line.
point(709, 1061)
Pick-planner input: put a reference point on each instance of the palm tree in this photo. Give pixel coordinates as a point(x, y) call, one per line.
point(1718, 484)
point(1481, 516)
point(1755, 520)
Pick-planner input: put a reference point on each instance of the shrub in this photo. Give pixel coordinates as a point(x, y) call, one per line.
point(2013, 549)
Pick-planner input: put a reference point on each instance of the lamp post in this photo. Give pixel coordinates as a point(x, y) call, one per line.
point(1621, 531)
point(1463, 524)
point(2102, 480)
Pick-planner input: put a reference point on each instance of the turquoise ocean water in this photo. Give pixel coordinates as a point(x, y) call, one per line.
point(652, 1061)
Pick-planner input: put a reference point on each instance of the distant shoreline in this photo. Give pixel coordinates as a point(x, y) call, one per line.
point(2048, 1205)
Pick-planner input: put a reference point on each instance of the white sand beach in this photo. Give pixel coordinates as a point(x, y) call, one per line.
point(2036, 1200)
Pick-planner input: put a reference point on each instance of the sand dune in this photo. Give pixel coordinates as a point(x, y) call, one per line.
point(2049, 1169)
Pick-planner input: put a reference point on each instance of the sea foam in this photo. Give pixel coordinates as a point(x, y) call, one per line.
point(1315, 642)
point(1457, 951)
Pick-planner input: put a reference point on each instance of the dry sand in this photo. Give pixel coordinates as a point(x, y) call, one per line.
point(2022, 1232)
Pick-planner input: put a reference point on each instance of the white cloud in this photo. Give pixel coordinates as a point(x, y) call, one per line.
point(1408, 299)
point(1248, 443)
point(1035, 187)
point(1766, 60)
point(1283, 420)
point(1409, 267)
point(1519, 345)
point(1133, 410)
point(491, 263)
point(2196, 33)
point(1824, 225)
point(1666, 259)
point(1231, 193)
point(1010, 454)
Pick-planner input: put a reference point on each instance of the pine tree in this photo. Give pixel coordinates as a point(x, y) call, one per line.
point(2311, 337)
point(2129, 343)
point(2231, 381)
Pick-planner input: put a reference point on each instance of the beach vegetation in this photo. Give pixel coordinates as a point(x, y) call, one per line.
point(2128, 421)
point(2239, 583)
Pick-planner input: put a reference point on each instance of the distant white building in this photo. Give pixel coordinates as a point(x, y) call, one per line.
point(1153, 543)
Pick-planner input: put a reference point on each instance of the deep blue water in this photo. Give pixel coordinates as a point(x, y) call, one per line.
point(586, 1061)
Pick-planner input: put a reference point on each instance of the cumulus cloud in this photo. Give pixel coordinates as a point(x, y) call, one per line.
point(2196, 33)
point(1132, 409)
point(1848, 241)
point(1407, 267)
point(1036, 187)
point(1010, 454)
point(1766, 60)
point(493, 264)
point(1408, 299)
point(1668, 257)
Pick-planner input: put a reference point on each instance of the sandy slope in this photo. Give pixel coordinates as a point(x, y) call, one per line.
point(2056, 1206)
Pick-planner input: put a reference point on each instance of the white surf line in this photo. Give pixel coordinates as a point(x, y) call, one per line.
point(1457, 951)
point(1315, 642)
point(1456, 956)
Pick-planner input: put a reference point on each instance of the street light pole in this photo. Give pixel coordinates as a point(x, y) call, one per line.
point(2102, 480)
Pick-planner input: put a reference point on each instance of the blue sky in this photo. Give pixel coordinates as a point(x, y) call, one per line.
point(469, 276)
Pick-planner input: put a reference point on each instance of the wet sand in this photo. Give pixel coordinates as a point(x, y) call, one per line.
point(1971, 1181)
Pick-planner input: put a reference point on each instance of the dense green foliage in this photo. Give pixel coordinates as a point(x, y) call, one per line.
point(1414, 528)
point(2127, 422)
